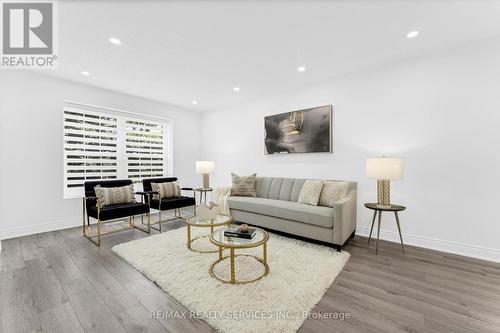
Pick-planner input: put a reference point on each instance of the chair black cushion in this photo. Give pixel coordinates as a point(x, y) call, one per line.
point(118, 211)
point(146, 183)
point(172, 203)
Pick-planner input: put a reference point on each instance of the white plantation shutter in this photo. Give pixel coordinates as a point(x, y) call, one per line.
point(102, 143)
point(146, 146)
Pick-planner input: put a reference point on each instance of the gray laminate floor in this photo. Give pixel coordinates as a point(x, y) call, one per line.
point(60, 282)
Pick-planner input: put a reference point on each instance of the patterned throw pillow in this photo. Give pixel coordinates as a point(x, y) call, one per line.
point(243, 186)
point(166, 190)
point(333, 191)
point(310, 192)
point(114, 195)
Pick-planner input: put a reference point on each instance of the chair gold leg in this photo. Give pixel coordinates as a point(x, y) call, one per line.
point(98, 232)
point(149, 223)
point(159, 220)
point(83, 221)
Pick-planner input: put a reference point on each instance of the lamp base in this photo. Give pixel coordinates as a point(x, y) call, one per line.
point(384, 193)
point(206, 180)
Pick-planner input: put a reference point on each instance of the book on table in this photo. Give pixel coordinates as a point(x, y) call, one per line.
point(236, 232)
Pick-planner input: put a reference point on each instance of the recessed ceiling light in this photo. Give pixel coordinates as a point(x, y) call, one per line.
point(85, 73)
point(236, 89)
point(115, 41)
point(301, 69)
point(194, 102)
point(412, 34)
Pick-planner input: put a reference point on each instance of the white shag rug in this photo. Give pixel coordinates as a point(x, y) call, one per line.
point(299, 275)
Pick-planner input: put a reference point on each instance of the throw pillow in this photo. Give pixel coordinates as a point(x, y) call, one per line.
point(114, 195)
point(333, 191)
point(243, 186)
point(166, 190)
point(310, 192)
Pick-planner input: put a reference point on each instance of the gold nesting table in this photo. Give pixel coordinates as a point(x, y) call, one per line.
point(233, 243)
point(199, 222)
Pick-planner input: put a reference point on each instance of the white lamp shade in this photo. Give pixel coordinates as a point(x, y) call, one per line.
point(204, 167)
point(384, 168)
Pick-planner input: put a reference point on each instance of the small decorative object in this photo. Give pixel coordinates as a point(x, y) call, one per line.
point(244, 228)
point(205, 168)
point(384, 169)
point(209, 211)
point(235, 231)
point(303, 131)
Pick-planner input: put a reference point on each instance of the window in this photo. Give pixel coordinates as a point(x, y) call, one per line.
point(101, 143)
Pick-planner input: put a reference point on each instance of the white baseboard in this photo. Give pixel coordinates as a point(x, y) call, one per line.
point(466, 250)
point(43, 227)
point(38, 228)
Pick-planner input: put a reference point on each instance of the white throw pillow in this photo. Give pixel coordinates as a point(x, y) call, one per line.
point(333, 191)
point(310, 192)
point(166, 190)
point(107, 196)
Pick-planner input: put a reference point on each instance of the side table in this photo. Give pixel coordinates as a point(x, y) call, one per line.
point(203, 191)
point(378, 210)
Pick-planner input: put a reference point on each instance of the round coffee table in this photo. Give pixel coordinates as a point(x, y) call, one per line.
point(199, 222)
point(232, 243)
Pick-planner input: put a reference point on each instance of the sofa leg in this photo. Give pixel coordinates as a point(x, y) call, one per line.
point(353, 234)
point(339, 248)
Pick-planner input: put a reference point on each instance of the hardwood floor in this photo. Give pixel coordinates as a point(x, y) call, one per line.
point(60, 282)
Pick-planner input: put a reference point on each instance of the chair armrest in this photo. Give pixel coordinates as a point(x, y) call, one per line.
point(344, 218)
point(146, 192)
point(93, 199)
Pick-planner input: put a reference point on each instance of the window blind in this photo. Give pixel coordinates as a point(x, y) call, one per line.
point(99, 144)
point(145, 149)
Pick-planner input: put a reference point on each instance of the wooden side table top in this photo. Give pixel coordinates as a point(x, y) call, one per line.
point(201, 189)
point(391, 208)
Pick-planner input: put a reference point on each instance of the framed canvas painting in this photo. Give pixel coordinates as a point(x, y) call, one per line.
point(302, 131)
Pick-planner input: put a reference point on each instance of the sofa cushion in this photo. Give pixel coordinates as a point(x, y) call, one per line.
point(243, 186)
point(332, 191)
point(310, 192)
point(316, 215)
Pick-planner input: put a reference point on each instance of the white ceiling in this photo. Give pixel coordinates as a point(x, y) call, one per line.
point(180, 51)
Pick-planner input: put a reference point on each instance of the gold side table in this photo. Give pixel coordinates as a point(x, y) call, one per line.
point(199, 222)
point(203, 193)
point(234, 243)
point(378, 210)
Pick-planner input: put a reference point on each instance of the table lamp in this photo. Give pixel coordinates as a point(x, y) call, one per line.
point(384, 169)
point(205, 168)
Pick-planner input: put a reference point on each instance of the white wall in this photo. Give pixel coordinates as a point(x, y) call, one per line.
point(31, 154)
point(441, 113)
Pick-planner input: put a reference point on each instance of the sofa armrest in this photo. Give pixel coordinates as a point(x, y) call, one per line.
point(344, 218)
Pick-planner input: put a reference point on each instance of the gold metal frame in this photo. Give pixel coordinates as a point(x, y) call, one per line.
point(177, 213)
point(232, 257)
point(190, 240)
point(86, 228)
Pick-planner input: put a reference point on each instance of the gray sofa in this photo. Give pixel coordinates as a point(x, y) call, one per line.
point(276, 208)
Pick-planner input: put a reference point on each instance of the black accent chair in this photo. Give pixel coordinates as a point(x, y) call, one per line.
point(164, 204)
point(111, 212)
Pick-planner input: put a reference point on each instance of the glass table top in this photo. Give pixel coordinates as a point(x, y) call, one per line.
point(209, 222)
point(219, 239)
